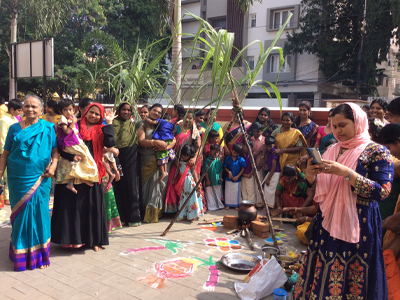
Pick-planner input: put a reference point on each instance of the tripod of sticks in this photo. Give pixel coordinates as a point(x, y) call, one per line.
point(239, 114)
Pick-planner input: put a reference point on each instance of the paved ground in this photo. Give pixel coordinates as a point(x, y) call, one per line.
point(84, 274)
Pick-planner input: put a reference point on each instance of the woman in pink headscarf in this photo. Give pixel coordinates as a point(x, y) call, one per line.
point(344, 259)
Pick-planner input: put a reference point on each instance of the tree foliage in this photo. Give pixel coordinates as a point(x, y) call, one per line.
point(78, 57)
point(331, 30)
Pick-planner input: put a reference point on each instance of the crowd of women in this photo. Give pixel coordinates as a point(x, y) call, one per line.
point(148, 167)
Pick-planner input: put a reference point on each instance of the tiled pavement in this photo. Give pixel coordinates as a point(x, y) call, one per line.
point(84, 274)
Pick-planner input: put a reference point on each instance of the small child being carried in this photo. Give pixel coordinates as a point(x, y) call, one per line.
point(110, 163)
point(163, 132)
point(83, 168)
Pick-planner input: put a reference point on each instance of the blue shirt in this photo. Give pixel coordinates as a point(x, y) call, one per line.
point(235, 166)
point(164, 130)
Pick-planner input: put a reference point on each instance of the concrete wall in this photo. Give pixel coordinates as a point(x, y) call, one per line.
point(320, 115)
point(216, 8)
point(193, 8)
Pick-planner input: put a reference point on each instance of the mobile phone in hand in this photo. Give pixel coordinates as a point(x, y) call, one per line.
point(315, 154)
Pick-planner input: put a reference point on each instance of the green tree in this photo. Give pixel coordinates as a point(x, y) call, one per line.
point(45, 18)
point(331, 30)
point(70, 61)
point(130, 22)
point(75, 59)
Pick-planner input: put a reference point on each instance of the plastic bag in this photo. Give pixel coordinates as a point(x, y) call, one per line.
point(263, 283)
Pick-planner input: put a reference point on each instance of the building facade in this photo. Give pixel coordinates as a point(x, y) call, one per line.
point(298, 80)
point(299, 77)
point(389, 80)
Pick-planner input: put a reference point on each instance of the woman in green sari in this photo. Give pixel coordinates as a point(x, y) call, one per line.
point(153, 190)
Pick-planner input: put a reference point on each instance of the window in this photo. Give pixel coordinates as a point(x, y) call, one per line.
point(274, 64)
point(380, 79)
point(253, 20)
point(250, 61)
point(277, 16)
point(219, 24)
point(281, 16)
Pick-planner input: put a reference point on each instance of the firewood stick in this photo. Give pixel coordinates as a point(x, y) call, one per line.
point(284, 220)
point(249, 241)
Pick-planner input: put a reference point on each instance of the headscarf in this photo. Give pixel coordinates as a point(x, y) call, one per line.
point(95, 134)
point(334, 194)
point(124, 130)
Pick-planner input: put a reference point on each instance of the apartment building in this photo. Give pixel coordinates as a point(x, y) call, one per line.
point(299, 79)
point(389, 80)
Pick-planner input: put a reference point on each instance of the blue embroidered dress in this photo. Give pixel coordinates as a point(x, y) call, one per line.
point(334, 269)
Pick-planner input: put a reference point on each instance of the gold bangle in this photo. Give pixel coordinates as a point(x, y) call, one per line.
point(295, 209)
point(152, 141)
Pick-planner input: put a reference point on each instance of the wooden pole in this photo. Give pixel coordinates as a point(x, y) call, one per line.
point(197, 184)
point(239, 114)
point(258, 181)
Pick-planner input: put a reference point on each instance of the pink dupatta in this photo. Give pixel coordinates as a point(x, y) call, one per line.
point(333, 193)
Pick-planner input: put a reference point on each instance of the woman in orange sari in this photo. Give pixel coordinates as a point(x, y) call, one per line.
point(235, 134)
point(290, 143)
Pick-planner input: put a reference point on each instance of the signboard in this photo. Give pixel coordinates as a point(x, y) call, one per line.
point(32, 59)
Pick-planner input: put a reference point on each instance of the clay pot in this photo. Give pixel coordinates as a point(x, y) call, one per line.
point(247, 212)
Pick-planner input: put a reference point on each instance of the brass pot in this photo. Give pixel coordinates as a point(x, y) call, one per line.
point(285, 261)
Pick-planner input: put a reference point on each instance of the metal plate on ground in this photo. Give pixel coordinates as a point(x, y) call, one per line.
point(240, 261)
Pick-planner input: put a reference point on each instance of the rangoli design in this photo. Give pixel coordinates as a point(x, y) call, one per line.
point(181, 268)
point(223, 244)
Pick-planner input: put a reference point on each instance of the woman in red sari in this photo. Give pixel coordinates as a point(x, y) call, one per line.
point(186, 133)
point(235, 135)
